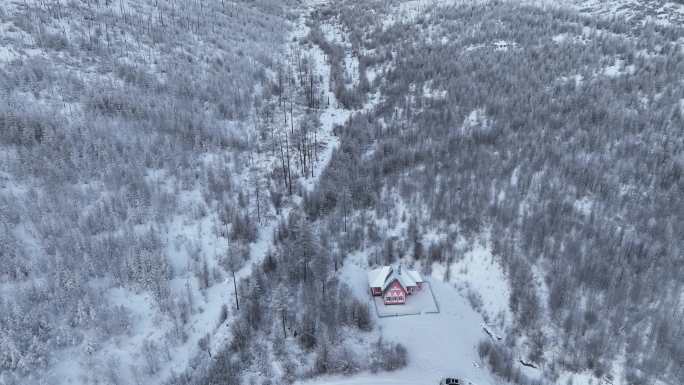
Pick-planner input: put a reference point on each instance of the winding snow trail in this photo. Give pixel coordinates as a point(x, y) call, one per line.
point(333, 114)
point(330, 117)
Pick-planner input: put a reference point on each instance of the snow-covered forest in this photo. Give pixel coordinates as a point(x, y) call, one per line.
point(192, 191)
point(555, 135)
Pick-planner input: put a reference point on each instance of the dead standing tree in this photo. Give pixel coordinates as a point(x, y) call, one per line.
point(232, 262)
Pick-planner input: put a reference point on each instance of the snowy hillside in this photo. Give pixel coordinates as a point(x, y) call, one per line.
point(668, 12)
point(128, 181)
point(193, 191)
point(507, 156)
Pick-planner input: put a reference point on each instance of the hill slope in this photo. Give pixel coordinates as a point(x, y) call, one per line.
point(125, 129)
point(191, 191)
point(553, 133)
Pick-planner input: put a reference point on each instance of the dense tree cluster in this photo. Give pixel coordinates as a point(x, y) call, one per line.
point(558, 134)
point(503, 363)
point(117, 118)
point(297, 315)
point(294, 317)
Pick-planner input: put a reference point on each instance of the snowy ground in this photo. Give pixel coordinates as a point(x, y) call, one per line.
point(439, 345)
point(478, 272)
point(420, 302)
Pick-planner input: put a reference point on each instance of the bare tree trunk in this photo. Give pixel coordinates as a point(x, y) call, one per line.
point(258, 203)
point(237, 301)
point(282, 316)
point(282, 159)
point(289, 170)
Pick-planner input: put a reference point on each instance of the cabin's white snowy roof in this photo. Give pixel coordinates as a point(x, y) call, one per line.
point(376, 277)
point(415, 275)
point(383, 276)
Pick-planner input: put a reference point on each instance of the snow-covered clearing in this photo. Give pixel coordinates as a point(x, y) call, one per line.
point(479, 274)
point(439, 345)
point(618, 68)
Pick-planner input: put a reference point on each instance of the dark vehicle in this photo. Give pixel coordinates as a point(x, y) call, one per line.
point(451, 381)
point(455, 381)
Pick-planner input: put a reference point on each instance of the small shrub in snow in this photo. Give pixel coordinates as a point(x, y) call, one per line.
point(387, 356)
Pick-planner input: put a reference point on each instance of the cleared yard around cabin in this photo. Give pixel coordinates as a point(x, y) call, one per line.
point(439, 345)
point(420, 302)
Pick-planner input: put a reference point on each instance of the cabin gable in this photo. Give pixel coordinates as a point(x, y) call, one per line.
point(395, 293)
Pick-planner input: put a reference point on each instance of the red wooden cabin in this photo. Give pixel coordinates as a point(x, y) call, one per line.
point(394, 283)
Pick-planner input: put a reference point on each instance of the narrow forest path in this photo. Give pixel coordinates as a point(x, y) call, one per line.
point(331, 114)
